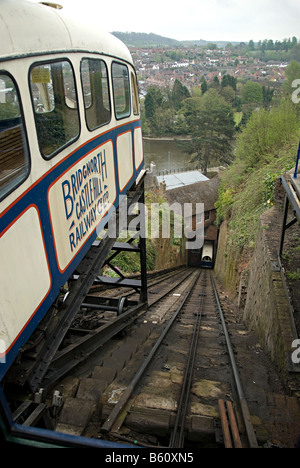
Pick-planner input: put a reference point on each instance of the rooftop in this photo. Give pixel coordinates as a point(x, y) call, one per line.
point(206, 192)
point(182, 179)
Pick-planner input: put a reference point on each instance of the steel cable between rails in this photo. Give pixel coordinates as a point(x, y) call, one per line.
point(177, 436)
point(109, 424)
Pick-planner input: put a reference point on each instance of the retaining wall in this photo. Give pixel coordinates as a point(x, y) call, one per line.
point(258, 286)
point(267, 307)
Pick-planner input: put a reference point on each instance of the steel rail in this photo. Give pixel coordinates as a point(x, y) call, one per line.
point(70, 357)
point(242, 399)
point(158, 279)
point(110, 422)
point(165, 276)
point(170, 290)
point(73, 355)
point(153, 278)
point(177, 436)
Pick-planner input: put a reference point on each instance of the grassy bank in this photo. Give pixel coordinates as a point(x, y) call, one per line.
point(161, 253)
point(265, 149)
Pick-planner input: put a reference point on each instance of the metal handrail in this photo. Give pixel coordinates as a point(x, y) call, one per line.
point(297, 163)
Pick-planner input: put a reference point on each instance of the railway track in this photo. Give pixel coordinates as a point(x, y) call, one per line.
point(84, 342)
point(172, 379)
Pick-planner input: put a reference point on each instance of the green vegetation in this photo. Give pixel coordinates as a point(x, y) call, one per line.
point(212, 128)
point(134, 39)
point(239, 124)
point(266, 49)
point(212, 116)
point(129, 263)
point(265, 149)
point(293, 275)
point(253, 127)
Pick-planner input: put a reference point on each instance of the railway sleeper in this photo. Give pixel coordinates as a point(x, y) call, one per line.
point(84, 402)
point(87, 400)
point(199, 429)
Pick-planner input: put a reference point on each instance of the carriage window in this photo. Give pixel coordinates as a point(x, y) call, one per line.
point(120, 79)
point(55, 105)
point(135, 95)
point(96, 93)
point(14, 155)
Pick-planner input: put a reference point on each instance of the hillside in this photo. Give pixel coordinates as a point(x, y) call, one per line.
point(265, 149)
point(138, 39)
point(135, 39)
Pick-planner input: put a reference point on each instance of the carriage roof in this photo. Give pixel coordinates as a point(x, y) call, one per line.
point(28, 28)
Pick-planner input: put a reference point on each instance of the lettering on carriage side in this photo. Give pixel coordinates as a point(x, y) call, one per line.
point(3, 348)
point(85, 194)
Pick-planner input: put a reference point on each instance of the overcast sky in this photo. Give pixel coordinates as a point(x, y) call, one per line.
point(212, 20)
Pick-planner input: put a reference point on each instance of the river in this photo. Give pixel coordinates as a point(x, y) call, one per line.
point(166, 155)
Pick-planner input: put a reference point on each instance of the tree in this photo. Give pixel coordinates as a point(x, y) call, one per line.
point(266, 133)
point(251, 45)
point(181, 127)
point(295, 53)
point(212, 130)
point(215, 83)
point(252, 93)
point(204, 86)
point(229, 94)
point(153, 100)
point(154, 103)
point(292, 73)
point(179, 93)
point(267, 96)
point(229, 80)
point(163, 122)
point(191, 108)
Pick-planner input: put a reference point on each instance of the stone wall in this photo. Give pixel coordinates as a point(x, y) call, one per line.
point(226, 262)
point(257, 282)
point(267, 309)
point(168, 255)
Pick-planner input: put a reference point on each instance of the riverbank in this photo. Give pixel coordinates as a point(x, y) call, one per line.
point(166, 154)
point(168, 138)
